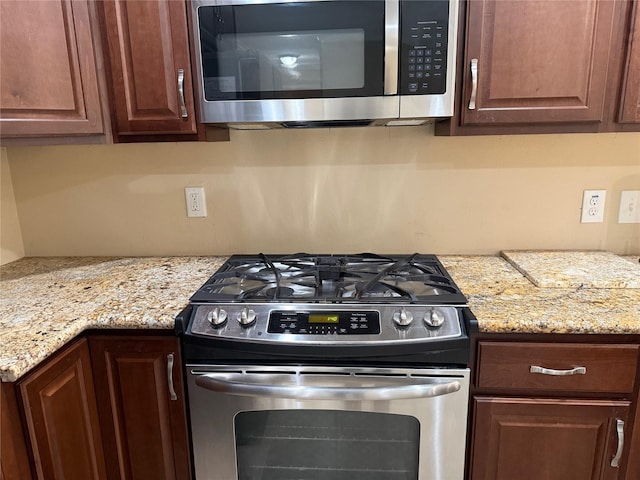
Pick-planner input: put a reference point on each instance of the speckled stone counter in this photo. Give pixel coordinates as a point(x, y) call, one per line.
point(505, 301)
point(45, 302)
point(590, 269)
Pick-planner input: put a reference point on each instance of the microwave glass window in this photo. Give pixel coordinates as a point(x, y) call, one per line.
point(279, 62)
point(322, 444)
point(292, 50)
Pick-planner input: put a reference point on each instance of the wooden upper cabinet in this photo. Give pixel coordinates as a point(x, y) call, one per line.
point(630, 104)
point(148, 45)
point(537, 61)
point(61, 417)
point(48, 76)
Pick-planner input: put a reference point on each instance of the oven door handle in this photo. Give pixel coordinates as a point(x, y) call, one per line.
point(237, 384)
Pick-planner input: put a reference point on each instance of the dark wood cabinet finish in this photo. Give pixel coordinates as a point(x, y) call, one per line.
point(546, 67)
point(534, 439)
point(144, 426)
point(630, 101)
point(14, 460)
point(61, 416)
point(551, 425)
point(148, 43)
point(607, 368)
point(633, 465)
point(48, 79)
point(538, 61)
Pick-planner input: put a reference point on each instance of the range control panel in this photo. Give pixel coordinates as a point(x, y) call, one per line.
point(324, 322)
point(423, 61)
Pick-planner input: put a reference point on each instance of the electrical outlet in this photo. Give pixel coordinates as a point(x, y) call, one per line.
point(593, 206)
point(196, 202)
point(629, 207)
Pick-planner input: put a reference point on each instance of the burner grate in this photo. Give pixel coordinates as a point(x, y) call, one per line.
point(329, 278)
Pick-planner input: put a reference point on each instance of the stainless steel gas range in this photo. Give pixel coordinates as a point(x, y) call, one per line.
point(328, 367)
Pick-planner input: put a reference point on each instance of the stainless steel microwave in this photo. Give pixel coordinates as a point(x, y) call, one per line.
point(324, 62)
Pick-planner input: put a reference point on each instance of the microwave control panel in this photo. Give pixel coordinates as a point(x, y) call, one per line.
point(423, 59)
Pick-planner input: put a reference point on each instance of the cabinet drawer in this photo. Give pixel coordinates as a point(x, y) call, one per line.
point(557, 367)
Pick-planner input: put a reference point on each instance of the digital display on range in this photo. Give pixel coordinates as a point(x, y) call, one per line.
point(348, 322)
point(324, 318)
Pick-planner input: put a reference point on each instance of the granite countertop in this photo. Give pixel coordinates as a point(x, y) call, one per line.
point(45, 302)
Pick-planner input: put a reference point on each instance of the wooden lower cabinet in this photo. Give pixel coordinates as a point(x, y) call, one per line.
point(14, 460)
point(535, 439)
point(61, 417)
point(141, 406)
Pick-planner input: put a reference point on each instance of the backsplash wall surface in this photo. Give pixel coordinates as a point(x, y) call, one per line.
point(332, 190)
point(11, 246)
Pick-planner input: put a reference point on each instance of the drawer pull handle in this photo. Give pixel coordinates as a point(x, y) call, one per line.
point(551, 371)
point(172, 391)
point(620, 430)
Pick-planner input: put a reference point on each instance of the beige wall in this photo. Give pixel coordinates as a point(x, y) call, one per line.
point(333, 190)
point(11, 247)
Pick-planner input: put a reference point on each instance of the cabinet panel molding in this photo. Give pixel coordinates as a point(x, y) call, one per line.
point(538, 61)
point(62, 419)
point(531, 439)
point(148, 43)
point(143, 424)
point(48, 79)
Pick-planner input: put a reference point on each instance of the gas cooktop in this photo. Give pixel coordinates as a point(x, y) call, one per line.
point(305, 306)
point(362, 278)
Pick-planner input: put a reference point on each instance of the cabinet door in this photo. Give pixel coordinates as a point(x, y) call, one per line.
point(534, 439)
point(150, 66)
point(537, 61)
point(14, 462)
point(141, 406)
point(48, 79)
point(61, 416)
point(630, 105)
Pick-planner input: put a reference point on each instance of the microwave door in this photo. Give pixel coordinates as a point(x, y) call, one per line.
point(297, 61)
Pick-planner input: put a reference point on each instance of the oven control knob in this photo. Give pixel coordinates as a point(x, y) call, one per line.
point(434, 318)
point(402, 317)
point(217, 317)
point(247, 317)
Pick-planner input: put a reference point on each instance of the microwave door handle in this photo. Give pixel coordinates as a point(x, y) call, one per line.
point(235, 384)
point(391, 46)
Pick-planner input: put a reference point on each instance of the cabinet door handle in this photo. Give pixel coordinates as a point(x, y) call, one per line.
point(172, 391)
point(183, 107)
point(620, 429)
point(474, 83)
point(550, 371)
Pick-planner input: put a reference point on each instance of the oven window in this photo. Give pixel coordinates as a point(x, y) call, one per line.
point(292, 50)
point(323, 444)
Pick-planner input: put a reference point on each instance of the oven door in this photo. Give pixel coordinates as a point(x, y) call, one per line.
point(312, 423)
point(304, 60)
